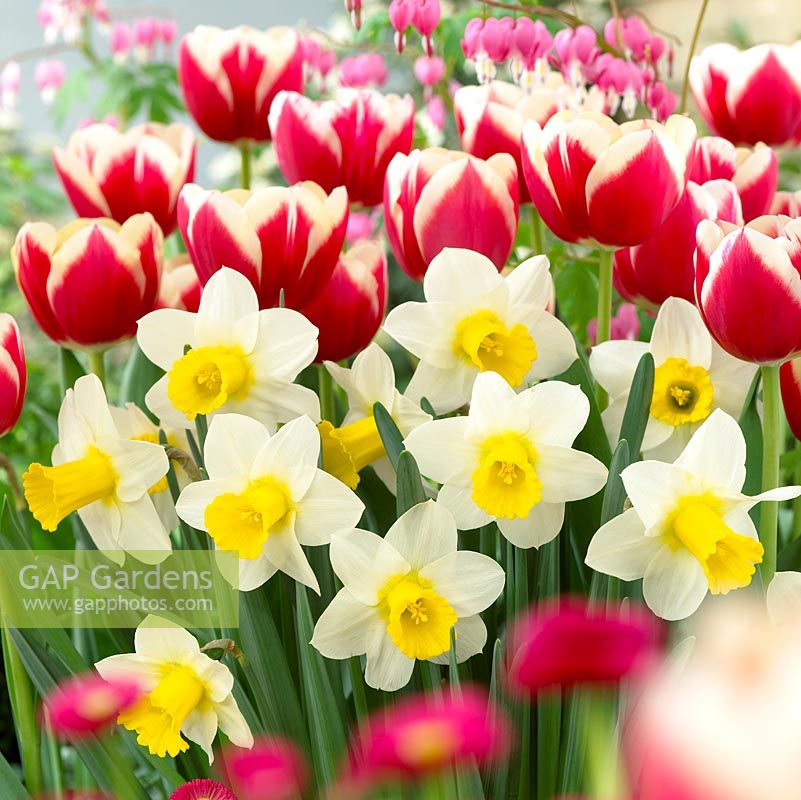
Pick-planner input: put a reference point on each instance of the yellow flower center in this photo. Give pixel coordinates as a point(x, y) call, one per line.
point(727, 557)
point(483, 340)
point(428, 743)
point(159, 717)
point(419, 621)
point(206, 378)
point(682, 393)
point(53, 493)
point(162, 484)
point(506, 484)
point(349, 449)
point(241, 523)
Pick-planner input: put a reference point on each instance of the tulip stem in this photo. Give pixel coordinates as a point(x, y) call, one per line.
point(97, 365)
point(604, 315)
point(246, 153)
point(537, 239)
point(685, 84)
point(326, 394)
point(771, 452)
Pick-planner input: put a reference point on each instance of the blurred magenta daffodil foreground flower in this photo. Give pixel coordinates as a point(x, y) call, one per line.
point(436, 423)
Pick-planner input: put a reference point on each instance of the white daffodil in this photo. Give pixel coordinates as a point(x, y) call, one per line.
point(355, 444)
point(693, 377)
point(473, 321)
point(133, 423)
point(103, 475)
point(186, 693)
point(688, 531)
point(784, 599)
point(404, 593)
point(510, 460)
point(239, 359)
point(265, 498)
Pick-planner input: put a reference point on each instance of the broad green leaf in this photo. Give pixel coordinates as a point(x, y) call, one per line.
point(410, 484)
point(10, 786)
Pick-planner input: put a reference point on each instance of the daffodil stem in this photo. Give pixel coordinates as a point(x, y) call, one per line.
point(97, 365)
point(771, 452)
point(326, 393)
point(22, 703)
point(246, 154)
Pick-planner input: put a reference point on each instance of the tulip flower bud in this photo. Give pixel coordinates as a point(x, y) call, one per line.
point(348, 142)
point(107, 173)
point(755, 172)
point(662, 266)
point(13, 373)
point(280, 238)
point(350, 309)
point(752, 95)
point(490, 118)
point(180, 286)
point(787, 204)
point(230, 78)
point(89, 283)
point(438, 198)
point(593, 180)
point(748, 288)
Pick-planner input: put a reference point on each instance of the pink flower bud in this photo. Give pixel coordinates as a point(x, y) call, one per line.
point(429, 70)
point(167, 30)
point(10, 79)
point(121, 40)
point(49, 76)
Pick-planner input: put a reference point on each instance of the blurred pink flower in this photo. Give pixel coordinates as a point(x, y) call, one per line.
point(49, 76)
point(625, 324)
point(274, 769)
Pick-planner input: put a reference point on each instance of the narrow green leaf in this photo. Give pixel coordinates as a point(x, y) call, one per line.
point(638, 407)
point(410, 484)
point(327, 728)
point(427, 407)
point(137, 378)
point(266, 669)
point(10, 786)
point(615, 492)
point(498, 773)
point(390, 435)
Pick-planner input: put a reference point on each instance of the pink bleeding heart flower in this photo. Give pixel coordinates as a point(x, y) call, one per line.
point(167, 30)
point(755, 172)
point(229, 78)
point(273, 769)
point(13, 373)
point(401, 14)
point(571, 642)
point(345, 142)
point(121, 41)
point(10, 79)
point(364, 70)
point(88, 704)
point(663, 265)
point(107, 173)
point(593, 180)
point(748, 287)
point(531, 41)
point(437, 198)
point(350, 309)
point(490, 118)
point(49, 76)
point(750, 96)
point(281, 239)
point(429, 70)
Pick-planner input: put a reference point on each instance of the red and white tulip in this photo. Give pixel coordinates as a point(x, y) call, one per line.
point(748, 287)
point(230, 78)
point(593, 180)
point(87, 284)
point(107, 173)
point(754, 171)
point(751, 95)
point(437, 198)
point(662, 266)
point(349, 310)
point(279, 238)
point(13, 373)
point(180, 286)
point(787, 204)
point(790, 378)
point(490, 117)
point(346, 142)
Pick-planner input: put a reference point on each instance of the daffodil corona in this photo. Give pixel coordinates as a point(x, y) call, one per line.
point(186, 694)
point(265, 498)
point(688, 531)
point(356, 443)
point(693, 376)
point(510, 459)
point(404, 594)
point(103, 475)
point(229, 356)
point(473, 321)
